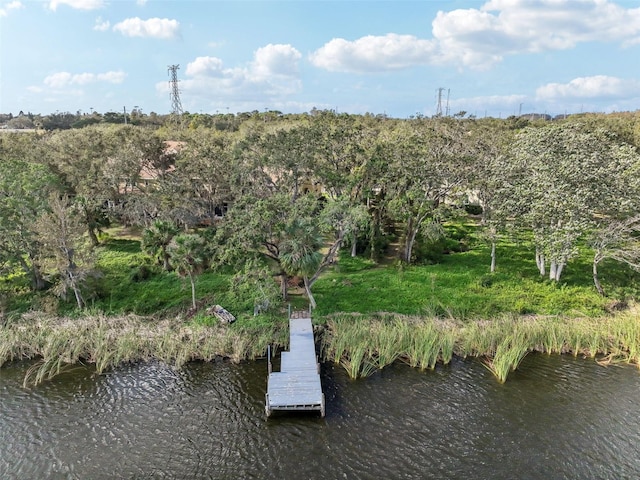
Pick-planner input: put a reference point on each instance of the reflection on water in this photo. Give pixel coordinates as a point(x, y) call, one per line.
point(556, 417)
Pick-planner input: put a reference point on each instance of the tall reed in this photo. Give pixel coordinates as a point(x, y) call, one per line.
point(358, 341)
point(511, 349)
point(110, 341)
point(362, 344)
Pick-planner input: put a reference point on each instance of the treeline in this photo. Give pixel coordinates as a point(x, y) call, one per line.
point(68, 120)
point(280, 195)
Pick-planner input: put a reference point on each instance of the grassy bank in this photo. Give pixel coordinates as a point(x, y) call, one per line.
point(459, 286)
point(365, 343)
point(108, 341)
point(454, 307)
point(362, 344)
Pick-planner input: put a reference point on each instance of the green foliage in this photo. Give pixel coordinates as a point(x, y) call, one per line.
point(362, 343)
point(187, 254)
point(459, 286)
point(130, 284)
point(299, 250)
point(156, 239)
point(473, 209)
point(253, 288)
point(382, 180)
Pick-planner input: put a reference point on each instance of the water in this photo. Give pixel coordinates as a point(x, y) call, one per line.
point(556, 417)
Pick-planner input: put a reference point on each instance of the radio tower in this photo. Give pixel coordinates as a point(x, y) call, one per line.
point(174, 93)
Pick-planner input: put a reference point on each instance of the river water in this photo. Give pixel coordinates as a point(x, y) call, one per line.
point(555, 418)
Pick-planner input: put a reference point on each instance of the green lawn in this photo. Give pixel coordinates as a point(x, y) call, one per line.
point(130, 283)
point(459, 286)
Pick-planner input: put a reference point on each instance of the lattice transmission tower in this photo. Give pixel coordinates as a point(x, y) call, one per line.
point(439, 111)
point(174, 93)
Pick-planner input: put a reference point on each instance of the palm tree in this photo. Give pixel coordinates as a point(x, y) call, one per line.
point(187, 253)
point(299, 252)
point(157, 238)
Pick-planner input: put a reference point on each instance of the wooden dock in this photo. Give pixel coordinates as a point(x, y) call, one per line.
point(296, 387)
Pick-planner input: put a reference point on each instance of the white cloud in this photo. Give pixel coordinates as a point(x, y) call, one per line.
point(64, 79)
point(596, 87)
point(481, 37)
point(15, 5)
point(272, 76)
point(111, 77)
point(205, 66)
point(374, 53)
point(163, 28)
point(276, 60)
point(78, 4)
point(58, 80)
point(142, 3)
point(101, 25)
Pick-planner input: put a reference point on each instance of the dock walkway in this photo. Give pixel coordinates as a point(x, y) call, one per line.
point(296, 387)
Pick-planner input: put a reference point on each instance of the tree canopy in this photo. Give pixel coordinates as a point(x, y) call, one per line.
point(287, 192)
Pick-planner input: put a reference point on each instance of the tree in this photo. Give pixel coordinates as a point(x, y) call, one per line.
point(429, 161)
point(344, 166)
point(340, 145)
point(78, 157)
point(344, 221)
point(571, 175)
point(156, 240)
point(261, 226)
point(618, 240)
point(24, 190)
point(299, 251)
point(202, 175)
point(187, 256)
point(492, 180)
point(270, 178)
point(61, 233)
point(279, 160)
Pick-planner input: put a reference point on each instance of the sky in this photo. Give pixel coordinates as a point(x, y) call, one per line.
point(399, 58)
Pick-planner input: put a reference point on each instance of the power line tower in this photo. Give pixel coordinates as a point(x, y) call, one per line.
point(174, 93)
point(439, 102)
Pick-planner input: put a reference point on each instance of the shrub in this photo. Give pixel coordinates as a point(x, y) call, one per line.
point(141, 273)
point(473, 209)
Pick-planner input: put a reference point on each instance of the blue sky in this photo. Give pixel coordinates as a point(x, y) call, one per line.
point(488, 58)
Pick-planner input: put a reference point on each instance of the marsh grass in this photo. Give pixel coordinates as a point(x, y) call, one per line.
point(364, 343)
point(61, 343)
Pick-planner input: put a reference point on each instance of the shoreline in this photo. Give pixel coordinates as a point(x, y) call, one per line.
point(362, 344)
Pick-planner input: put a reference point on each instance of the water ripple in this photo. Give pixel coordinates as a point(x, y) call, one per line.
point(556, 417)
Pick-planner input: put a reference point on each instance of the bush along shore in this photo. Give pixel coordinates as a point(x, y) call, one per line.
point(363, 344)
point(360, 343)
point(59, 343)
